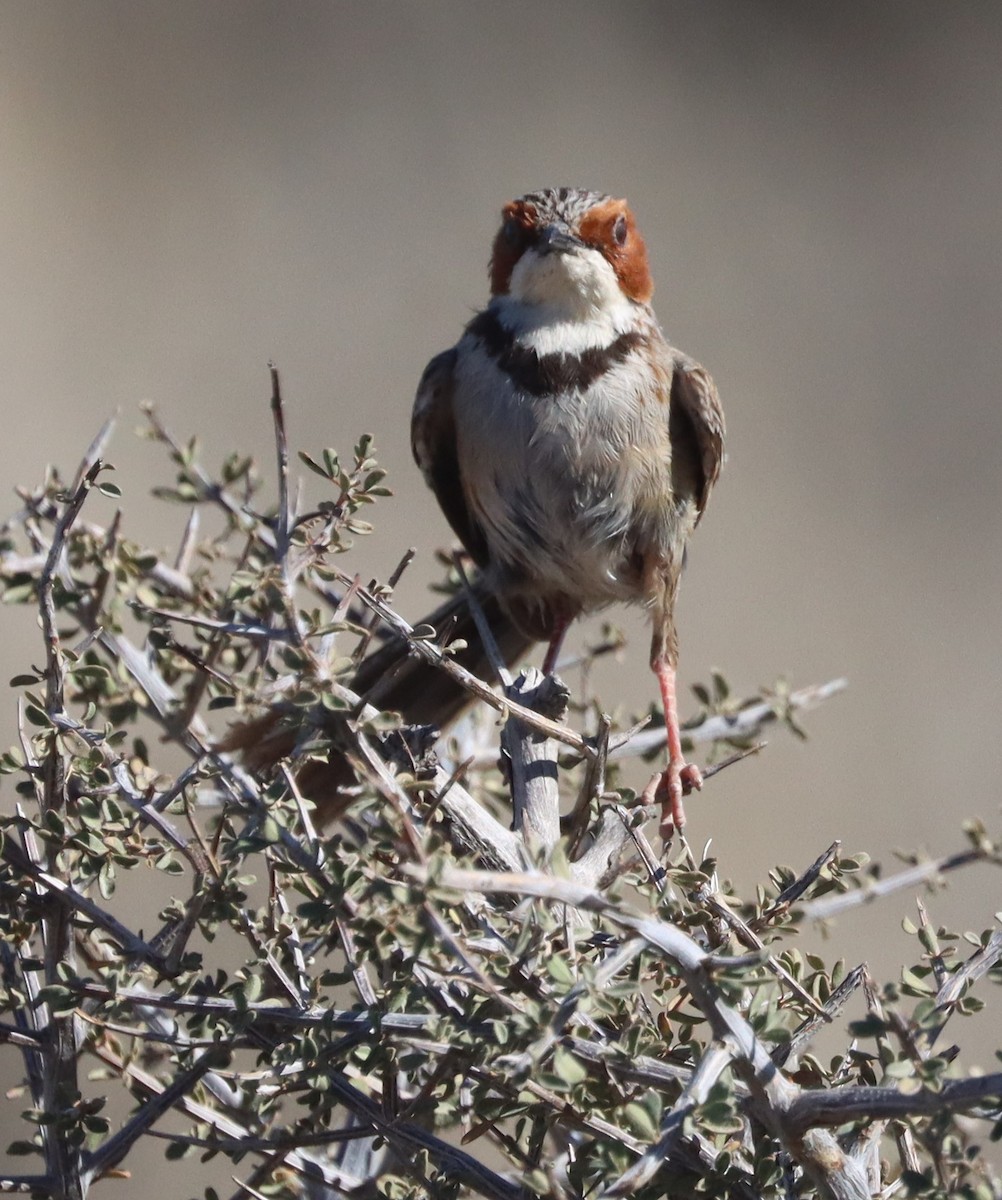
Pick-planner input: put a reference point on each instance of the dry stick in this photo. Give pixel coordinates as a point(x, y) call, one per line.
point(823, 909)
point(721, 727)
point(793, 891)
point(420, 643)
point(233, 508)
point(806, 1030)
point(59, 1072)
point(532, 758)
point(111, 1152)
point(954, 985)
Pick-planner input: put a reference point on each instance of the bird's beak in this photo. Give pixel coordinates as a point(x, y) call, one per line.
point(557, 239)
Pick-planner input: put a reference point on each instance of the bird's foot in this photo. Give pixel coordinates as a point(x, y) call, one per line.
point(667, 788)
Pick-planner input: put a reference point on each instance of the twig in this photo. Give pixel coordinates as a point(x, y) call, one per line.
point(532, 757)
point(283, 518)
point(592, 786)
point(494, 657)
point(233, 508)
point(188, 541)
point(405, 1137)
point(73, 900)
point(738, 756)
point(806, 1030)
point(716, 903)
point(711, 1066)
point(116, 1147)
point(746, 723)
point(311, 1168)
point(419, 642)
point(954, 985)
point(925, 872)
point(840, 1105)
point(59, 1074)
point(793, 891)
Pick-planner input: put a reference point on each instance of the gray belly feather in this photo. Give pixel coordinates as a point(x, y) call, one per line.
point(553, 481)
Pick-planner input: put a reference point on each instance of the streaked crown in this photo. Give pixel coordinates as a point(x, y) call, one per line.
point(563, 219)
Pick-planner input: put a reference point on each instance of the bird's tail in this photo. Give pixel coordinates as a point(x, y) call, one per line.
point(396, 681)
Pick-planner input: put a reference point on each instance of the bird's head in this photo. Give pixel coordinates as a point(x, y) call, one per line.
point(571, 250)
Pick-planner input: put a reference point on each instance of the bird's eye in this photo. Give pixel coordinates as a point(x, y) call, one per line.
point(619, 230)
point(512, 231)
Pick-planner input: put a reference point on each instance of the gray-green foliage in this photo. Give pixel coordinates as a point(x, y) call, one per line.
point(349, 1007)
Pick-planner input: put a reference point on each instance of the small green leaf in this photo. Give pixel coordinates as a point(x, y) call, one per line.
point(560, 971)
point(567, 1068)
point(36, 716)
point(22, 1148)
point(640, 1121)
point(314, 465)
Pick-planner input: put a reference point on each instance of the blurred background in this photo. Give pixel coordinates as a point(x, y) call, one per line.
point(188, 190)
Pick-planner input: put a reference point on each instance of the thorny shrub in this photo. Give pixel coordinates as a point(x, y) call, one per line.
point(366, 1009)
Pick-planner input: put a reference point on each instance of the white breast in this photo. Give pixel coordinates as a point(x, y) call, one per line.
point(554, 480)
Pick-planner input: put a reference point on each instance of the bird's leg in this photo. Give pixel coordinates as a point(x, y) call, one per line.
point(556, 641)
point(679, 777)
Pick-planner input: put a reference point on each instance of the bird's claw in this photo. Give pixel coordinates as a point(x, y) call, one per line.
point(667, 789)
point(691, 778)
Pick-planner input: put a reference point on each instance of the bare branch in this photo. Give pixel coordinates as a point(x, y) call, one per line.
point(111, 1153)
point(841, 1105)
point(923, 872)
point(748, 722)
point(532, 758)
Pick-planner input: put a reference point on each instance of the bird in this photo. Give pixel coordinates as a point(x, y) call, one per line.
point(572, 451)
point(571, 448)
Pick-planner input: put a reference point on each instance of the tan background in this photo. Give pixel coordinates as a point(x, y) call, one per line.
point(187, 190)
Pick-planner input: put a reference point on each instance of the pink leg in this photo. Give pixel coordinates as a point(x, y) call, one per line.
point(679, 777)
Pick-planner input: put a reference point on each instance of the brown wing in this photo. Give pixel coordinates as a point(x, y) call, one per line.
point(697, 425)
point(433, 441)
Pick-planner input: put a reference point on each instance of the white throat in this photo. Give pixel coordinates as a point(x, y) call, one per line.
point(565, 303)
